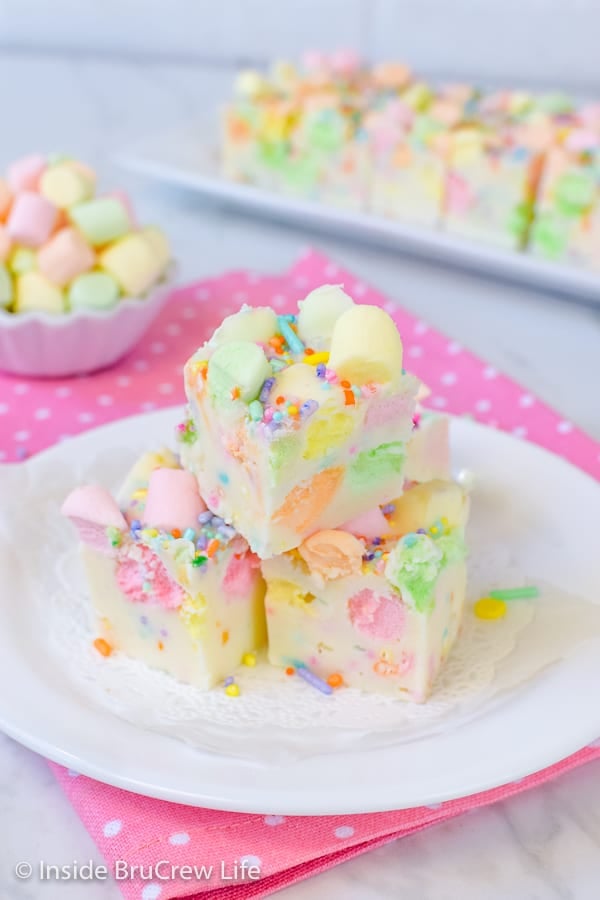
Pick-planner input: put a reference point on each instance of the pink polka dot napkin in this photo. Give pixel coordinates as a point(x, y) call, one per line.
point(154, 835)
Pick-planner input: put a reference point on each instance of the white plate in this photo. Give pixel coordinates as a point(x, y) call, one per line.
point(186, 159)
point(544, 510)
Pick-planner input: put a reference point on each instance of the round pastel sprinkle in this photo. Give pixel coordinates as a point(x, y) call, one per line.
point(229, 680)
point(232, 690)
point(335, 680)
point(249, 659)
point(290, 670)
point(489, 608)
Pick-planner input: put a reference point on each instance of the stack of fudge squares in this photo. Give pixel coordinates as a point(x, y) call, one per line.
point(309, 512)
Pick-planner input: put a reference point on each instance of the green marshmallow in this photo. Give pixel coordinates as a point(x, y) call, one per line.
point(237, 370)
point(373, 466)
point(6, 286)
point(93, 290)
point(101, 221)
point(550, 235)
point(575, 192)
point(21, 261)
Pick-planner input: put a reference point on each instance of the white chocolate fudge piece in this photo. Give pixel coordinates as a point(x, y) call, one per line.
point(298, 423)
point(171, 584)
point(428, 450)
point(379, 612)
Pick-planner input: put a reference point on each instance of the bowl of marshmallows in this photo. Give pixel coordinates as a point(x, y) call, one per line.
point(80, 280)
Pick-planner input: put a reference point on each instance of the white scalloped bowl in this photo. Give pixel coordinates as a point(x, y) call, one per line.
point(42, 345)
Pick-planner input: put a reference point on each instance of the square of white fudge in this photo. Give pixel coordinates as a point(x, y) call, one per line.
point(298, 423)
point(185, 598)
point(376, 612)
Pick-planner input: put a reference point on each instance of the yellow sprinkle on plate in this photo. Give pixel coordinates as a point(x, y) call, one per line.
point(249, 659)
point(489, 608)
point(232, 690)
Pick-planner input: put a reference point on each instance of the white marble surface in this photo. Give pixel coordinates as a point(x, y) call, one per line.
point(541, 846)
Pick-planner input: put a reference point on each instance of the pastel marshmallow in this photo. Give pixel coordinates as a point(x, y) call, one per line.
point(366, 346)
point(65, 256)
point(25, 173)
point(5, 199)
point(22, 260)
point(319, 311)
point(133, 263)
point(102, 220)
point(31, 219)
point(159, 245)
point(5, 244)
point(6, 286)
point(36, 294)
point(93, 290)
point(173, 500)
point(65, 185)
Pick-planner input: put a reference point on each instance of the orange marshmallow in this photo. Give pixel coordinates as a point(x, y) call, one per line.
point(65, 256)
point(5, 244)
point(5, 200)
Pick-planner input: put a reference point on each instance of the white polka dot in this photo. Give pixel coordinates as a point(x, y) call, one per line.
point(564, 427)
point(72, 773)
point(112, 828)
point(105, 400)
point(147, 406)
point(180, 838)
point(359, 289)
point(173, 330)
point(63, 392)
point(252, 277)
point(3, 409)
point(454, 348)
point(439, 402)
point(202, 294)
point(2, 454)
point(526, 400)
point(85, 417)
point(240, 296)
point(279, 301)
point(331, 271)
point(483, 406)
point(21, 388)
point(449, 378)
point(22, 435)
point(344, 831)
point(420, 328)
point(64, 437)
point(274, 820)
point(300, 281)
point(42, 413)
point(123, 381)
point(489, 373)
point(140, 365)
point(390, 307)
point(166, 388)
point(157, 347)
point(151, 891)
point(188, 312)
point(250, 860)
point(520, 431)
point(415, 351)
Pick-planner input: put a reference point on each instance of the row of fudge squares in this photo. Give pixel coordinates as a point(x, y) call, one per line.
point(374, 605)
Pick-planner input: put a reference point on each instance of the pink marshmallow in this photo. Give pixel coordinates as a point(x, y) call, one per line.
point(5, 199)
point(314, 61)
point(25, 173)
point(369, 524)
point(173, 500)
point(92, 510)
point(345, 62)
point(31, 219)
point(65, 256)
point(5, 244)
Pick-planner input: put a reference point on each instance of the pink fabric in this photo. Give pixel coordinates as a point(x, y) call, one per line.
point(34, 414)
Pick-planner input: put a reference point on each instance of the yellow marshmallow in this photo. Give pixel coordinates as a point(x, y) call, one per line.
point(36, 293)
point(366, 346)
point(65, 185)
point(159, 244)
point(426, 503)
point(133, 263)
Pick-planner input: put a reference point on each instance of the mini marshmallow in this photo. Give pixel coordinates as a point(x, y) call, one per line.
point(5, 244)
point(102, 220)
point(94, 290)
point(25, 173)
point(6, 286)
point(36, 293)
point(5, 199)
point(132, 262)
point(124, 198)
point(65, 186)
point(173, 500)
point(371, 524)
point(31, 219)
point(65, 256)
point(160, 246)
point(93, 504)
point(366, 346)
point(22, 260)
